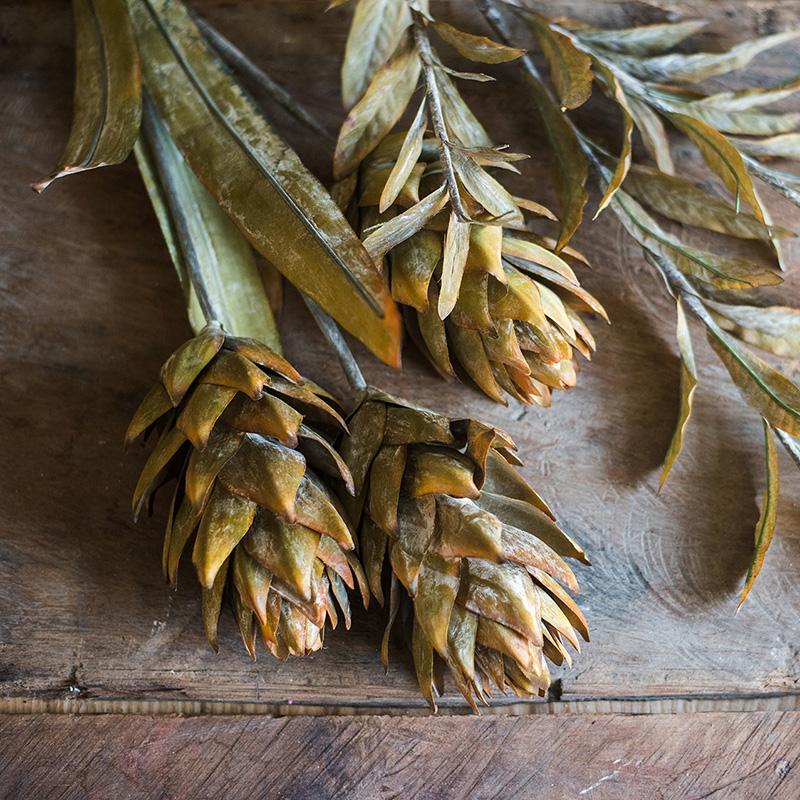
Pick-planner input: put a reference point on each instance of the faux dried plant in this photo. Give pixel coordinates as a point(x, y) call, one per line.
point(481, 294)
point(263, 463)
point(655, 89)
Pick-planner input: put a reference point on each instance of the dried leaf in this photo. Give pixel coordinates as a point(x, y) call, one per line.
point(462, 125)
point(696, 67)
point(476, 48)
point(570, 68)
point(746, 99)
point(654, 134)
point(454, 259)
point(282, 209)
point(375, 33)
point(765, 528)
point(771, 393)
point(775, 329)
point(682, 201)
point(786, 145)
point(752, 123)
point(388, 235)
point(723, 158)
point(378, 110)
point(571, 165)
point(642, 40)
point(485, 189)
point(406, 159)
point(219, 252)
point(108, 84)
point(688, 382)
point(614, 90)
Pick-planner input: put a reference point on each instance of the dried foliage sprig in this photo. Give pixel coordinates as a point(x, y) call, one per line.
point(651, 87)
point(481, 294)
point(280, 207)
point(473, 555)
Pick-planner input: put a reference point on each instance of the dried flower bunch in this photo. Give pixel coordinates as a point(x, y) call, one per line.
point(260, 462)
point(481, 293)
point(653, 87)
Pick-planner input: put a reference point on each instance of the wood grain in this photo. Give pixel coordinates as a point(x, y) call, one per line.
point(90, 308)
point(616, 758)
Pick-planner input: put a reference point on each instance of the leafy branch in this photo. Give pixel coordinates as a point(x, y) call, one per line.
point(632, 69)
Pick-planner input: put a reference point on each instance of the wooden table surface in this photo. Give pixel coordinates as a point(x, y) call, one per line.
point(90, 308)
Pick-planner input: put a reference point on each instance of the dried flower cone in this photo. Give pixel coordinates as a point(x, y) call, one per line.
point(511, 317)
point(474, 546)
point(233, 417)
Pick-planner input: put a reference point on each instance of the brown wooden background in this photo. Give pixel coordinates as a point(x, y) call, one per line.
point(90, 308)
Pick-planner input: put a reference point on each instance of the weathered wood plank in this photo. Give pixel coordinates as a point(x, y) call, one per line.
point(90, 308)
point(599, 758)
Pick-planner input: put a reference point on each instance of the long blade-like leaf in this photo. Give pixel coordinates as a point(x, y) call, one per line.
point(688, 383)
point(642, 40)
point(775, 329)
point(286, 214)
point(108, 85)
point(765, 527)
point(191, 219)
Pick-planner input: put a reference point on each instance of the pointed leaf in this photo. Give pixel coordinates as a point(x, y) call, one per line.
point(280, 207)
point(688, 382)
point(406, 160)
point(456, 247)
point(108, 86)
point(775, 329)
point(642, 40)
point(765, 528)
point(476, 48)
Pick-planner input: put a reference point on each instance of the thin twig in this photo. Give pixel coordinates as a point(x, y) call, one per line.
point(242, 64)
point(437, 114)
point(156, 136)
point(335, 339)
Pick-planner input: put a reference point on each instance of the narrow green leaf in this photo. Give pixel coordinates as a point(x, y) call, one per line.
point(462, 125)
point(476, 48)
point(775, 329)
point(285, 213)
point(221, 254)
point(765, 527)
point(682, 201)
point(696, 67)
point(374, 35)
point(688, 383)
point(108, 83)
point(770, 392)
point(722, 157)
point(615, 92)
point(643, 40)
point(570, 68)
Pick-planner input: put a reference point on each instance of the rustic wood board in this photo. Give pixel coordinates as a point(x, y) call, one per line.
point(90, 308)
point(617, 758)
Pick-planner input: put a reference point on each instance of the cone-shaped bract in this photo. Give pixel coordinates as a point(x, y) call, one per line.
point(233, 420)
point(476, 550)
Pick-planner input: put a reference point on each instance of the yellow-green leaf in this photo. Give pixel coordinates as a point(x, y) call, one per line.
point(406, 159)
point(688, 383)
point(454, 259)
point(570, 68)
point(682, 201)
point(108, 86)
point(374, 35)
point(696, 67)
point(377, 112)
point(787, 145)
point(476, 48)
point(770, 392)
point(775, 329)
point(285, 213)
point(722, 157)
point(220, 253)
point(641, 40)
point(765, 527)
point(653, 132)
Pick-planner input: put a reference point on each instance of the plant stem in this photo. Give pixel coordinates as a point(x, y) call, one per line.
point(335, 339)
point(437, 114)
point(242, 64)
point(155, 134)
